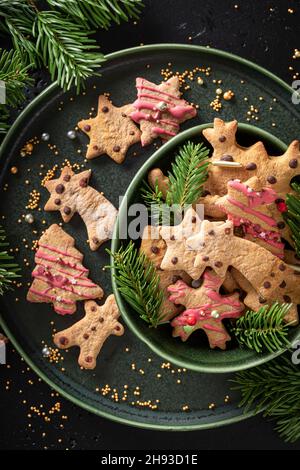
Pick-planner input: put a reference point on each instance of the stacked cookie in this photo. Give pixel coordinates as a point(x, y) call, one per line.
point(240, 246)
point(158, 110)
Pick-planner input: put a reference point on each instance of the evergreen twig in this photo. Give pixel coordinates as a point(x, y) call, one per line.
point(4, 116)
point(153, 198)
point(66, 49)
point(8, 270)
point(273, 388)
point(188, 174)
point(59, 38)
point(99, 13)
point(15, 75)
point(264, 329)
point(138, 282)
point(18, 21)
point(292, 216)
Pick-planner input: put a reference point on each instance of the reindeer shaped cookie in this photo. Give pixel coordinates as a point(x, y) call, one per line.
point(205, 309)
point(71, 193)
point(271, 279)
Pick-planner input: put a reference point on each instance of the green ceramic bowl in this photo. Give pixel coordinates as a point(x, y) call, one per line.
point(195, 353)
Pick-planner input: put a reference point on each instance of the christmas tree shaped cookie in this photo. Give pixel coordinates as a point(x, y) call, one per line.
point(205, 309)
point(258, 211)
point(71, 193)
point(273, 172)
point(90, 333)
point(111, 132)
point(159, 109)
point(59, 275)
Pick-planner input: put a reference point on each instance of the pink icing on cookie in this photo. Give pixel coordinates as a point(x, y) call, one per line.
point(176, 107)
point(67, 283)
point(265, 218)
point(56, 250)
point(199, 316)
point(265, 196)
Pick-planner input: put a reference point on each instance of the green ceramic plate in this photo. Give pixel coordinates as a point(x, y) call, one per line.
point(29, 324)
point(195, 353)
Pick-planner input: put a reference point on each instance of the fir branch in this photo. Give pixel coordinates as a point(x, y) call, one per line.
point(18, 21)
point(60, 38)
point(189, 172)
point(4, 116)
point(138, 283)
point(100, 13)
point(15, 75)
point(153, 198)
point(66, 49)
point(8, 270)
point(292, 216)
point(273, 388)
point(264, 329)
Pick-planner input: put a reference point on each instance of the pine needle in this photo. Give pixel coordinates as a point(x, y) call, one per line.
point(100, 13)
point(138, 283)
point(15, 75)
point(189, 172)
point(4, 116)
point(273, 388)
point(8, 270)
point(292, 216)
point(153, 198)
point(264, 329)
point(66, 49)
point(18, 20)
point(60, 38)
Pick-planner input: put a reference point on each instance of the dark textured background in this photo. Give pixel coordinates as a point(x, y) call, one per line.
point(259, 30)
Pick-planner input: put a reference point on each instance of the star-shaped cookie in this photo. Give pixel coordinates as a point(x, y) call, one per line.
point(273, 172)
point(159, 109)
point(111, 132)
point(90, 333)
point(205, 309)
point(71, 193)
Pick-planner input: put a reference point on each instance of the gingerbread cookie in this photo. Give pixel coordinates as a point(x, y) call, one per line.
point(205, 309)
point(258, 211)
point(71, 193)
point(90, 333)
point(217, 247)
point(159, 109)
point(59, 276)
point(111, 132)
point(252, 301)
point(273, 172)
point(154, 247)
point(178, 255)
